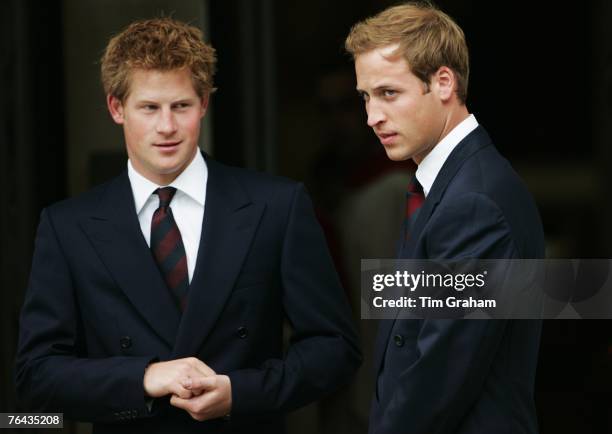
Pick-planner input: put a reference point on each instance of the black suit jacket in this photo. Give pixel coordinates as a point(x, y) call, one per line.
point(97, 311)
point(464, 376)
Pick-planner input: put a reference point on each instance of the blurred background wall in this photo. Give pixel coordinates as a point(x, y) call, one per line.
point(541, 84)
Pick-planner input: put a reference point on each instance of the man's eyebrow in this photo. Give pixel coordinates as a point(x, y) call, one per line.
point(379, 88)
point(384, 86)
point(146, 100)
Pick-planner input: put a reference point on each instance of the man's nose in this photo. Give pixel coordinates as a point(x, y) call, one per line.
point(166, 124)
point(375, 115)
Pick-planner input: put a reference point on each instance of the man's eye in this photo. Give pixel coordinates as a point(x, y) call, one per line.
point(389, 93)
point(149, 107)
point(182, 105)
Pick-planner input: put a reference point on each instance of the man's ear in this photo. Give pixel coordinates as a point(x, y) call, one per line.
point(444, 83)
point(115, 108)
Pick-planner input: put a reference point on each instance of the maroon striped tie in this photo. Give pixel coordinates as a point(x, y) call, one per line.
point(414, 200)
point(167, 247)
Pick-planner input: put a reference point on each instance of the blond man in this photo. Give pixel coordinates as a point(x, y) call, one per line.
point(446, 376)
point(156, 301)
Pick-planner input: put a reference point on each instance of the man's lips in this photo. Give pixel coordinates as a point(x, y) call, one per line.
point(167, 145)
point(386, 138)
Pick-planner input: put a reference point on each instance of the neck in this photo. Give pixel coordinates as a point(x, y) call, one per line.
point(454, 118)
point(161, 179)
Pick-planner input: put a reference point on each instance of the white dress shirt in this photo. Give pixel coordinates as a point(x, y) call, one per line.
point(187, 204)
point(430, 166)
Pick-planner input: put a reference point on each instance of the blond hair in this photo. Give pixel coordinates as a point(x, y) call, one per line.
point(427, 38)
point(157, 44)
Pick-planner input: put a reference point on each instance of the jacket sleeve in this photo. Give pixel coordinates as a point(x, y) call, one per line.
point(324, 351)
point(434, 392)
point(52, 372)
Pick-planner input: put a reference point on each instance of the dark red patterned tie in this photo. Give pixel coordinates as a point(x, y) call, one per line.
point(167, 247)
point(414, 201)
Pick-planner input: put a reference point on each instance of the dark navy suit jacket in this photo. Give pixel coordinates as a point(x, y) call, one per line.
point(463, 376)
point(97, 311)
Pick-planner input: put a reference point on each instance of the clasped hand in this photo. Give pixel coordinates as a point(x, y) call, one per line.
point(194, 387)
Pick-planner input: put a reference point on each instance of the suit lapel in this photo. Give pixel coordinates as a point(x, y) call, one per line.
point(472, 143)
point(230, 221)
point(116, 235)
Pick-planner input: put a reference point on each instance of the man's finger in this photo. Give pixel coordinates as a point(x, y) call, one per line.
point(180, 391)
point(186, 382)
point(193, 405)
point(202, 384)
point(179, 402)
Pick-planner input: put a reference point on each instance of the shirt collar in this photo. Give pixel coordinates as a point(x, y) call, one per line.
point(191, 181)
point(429, 168)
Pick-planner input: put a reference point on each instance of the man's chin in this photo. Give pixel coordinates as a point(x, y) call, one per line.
point(395, 154)
point(164, 174)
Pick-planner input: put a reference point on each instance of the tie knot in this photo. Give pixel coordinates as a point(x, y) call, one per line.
point(414, 198)
point(165, 196)
point(415, 187)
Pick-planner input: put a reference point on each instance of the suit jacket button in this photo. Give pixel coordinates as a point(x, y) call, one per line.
point(125, 342)
point(242, 332)
point(399, 340)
